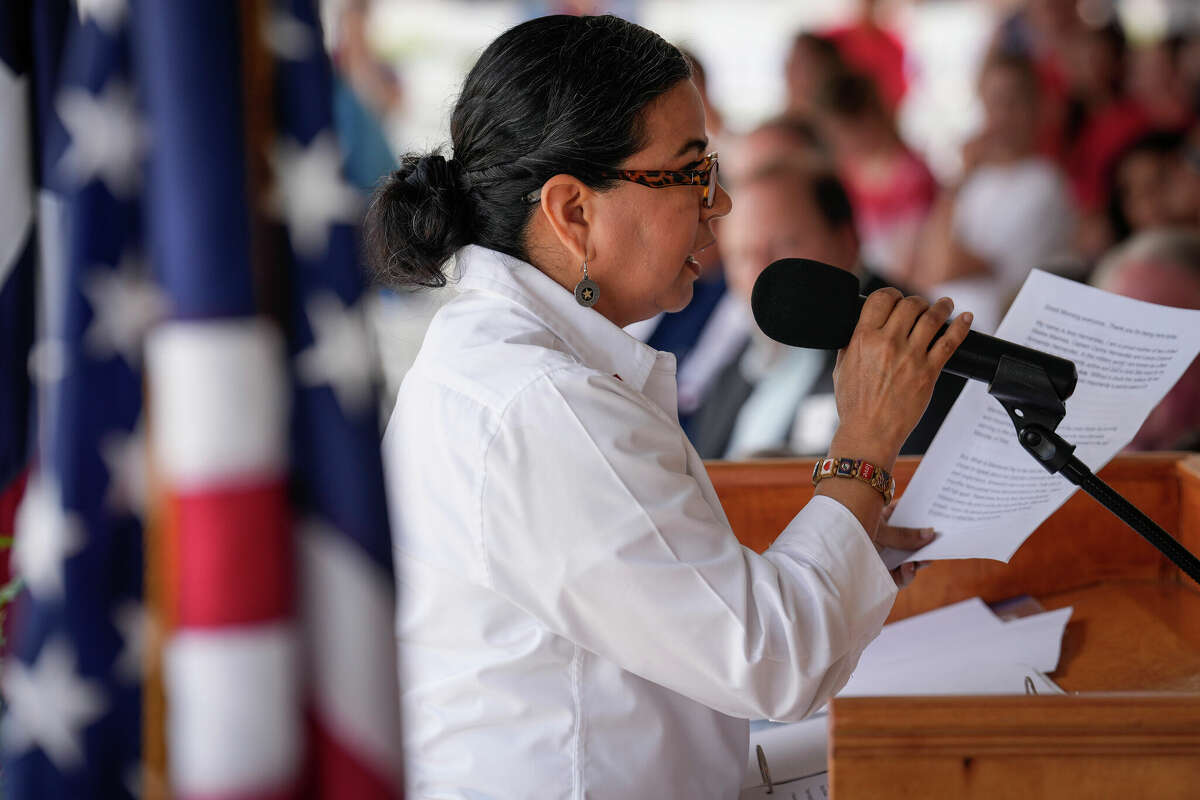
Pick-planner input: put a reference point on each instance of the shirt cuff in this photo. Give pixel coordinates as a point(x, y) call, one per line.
point(827, 534)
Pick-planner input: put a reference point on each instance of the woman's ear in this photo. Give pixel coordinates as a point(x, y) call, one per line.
point(567, 209)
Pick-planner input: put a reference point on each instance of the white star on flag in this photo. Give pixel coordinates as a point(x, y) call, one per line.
point(46, 535)
point(108, 14)
point(131, 621)
point(16, 190)
point(124, 306)
point(124, 453)
point(49, 705)
point(107, 137)
point(287, 37)
point(341, 352)
point(310, 193)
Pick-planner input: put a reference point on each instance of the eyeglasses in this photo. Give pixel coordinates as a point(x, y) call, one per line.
point(705, 175)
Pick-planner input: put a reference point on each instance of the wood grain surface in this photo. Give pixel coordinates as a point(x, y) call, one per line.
point(1135, 631)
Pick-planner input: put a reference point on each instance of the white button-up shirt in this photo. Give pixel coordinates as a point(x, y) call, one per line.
point(576, 618)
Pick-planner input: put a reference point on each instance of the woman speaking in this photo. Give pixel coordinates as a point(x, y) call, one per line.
point(577, 619)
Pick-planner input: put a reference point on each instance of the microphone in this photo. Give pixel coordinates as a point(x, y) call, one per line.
point(805, 303)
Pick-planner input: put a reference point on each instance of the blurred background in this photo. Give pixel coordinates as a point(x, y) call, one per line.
point(428, 45)
point(973, 140)
point(195, 369)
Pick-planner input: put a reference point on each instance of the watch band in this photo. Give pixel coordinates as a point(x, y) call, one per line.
point(877, 478)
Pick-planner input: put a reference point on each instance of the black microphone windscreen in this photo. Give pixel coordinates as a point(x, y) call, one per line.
point(805, 303)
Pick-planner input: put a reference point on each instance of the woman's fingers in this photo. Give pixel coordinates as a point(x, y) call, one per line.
point(931, 322)
point(900, 324)
point(903, 538)
point(904, 574)
point(945, 346)
point(878, 307)
point(883, 377)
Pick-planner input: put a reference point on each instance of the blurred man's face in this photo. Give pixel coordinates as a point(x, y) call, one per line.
point(1145, 181)
point(776, 218)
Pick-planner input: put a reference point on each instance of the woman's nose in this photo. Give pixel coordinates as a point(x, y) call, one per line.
point(721, 206)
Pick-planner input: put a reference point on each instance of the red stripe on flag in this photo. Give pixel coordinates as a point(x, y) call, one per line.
point(9, 500)
point(336, 773)
point(236, 556)
point(289, 793)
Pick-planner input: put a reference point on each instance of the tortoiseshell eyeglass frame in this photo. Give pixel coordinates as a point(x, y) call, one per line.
point(705, 175)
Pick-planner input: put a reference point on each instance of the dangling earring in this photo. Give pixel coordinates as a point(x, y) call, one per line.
point(586, 291)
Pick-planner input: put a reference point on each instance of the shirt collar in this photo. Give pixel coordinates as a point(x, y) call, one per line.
point(592, 338)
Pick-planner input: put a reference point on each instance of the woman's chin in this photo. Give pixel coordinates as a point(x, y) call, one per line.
point(681, 299)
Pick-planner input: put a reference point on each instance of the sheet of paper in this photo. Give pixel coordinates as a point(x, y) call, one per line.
point(969, 627)
point(932, 676)
point(934, 631)
point(812, 787)
point(976, 486)
point(991, 659)
point(962, 648)
point(791, 749)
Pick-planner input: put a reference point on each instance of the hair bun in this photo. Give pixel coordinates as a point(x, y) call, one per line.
point(419, 215)
point(436, 172)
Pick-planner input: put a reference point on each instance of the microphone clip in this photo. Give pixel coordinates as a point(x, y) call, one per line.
point(1035, 408)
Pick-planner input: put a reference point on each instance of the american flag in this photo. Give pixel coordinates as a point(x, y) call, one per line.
point(18, 242)
point(72, 681)
point(210, 239)
point(18, 250)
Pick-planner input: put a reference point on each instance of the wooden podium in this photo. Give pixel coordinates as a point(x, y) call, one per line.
point(1130, 724)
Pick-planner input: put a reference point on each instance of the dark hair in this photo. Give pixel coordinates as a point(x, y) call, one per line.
point(1112, 35)
point(832, 199)
point(823, 48)
point(1159, 142)
point(557, 94)
point(851, 96)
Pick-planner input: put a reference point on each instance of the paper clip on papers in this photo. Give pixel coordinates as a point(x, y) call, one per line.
point(763, 769)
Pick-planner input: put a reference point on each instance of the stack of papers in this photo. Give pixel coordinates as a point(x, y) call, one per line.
point(959, 649)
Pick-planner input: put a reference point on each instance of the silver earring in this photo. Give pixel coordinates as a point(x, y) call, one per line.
point(586, 291)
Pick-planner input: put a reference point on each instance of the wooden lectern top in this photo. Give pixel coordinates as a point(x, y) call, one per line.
point(1135, 629)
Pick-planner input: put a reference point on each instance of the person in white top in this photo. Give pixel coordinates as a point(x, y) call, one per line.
point(576, 617)
point(1010, 212)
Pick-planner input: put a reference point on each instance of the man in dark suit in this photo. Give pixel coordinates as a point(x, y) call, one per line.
point(770, 399)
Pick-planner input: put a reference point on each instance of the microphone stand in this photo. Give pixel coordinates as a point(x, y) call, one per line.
point(1036, 409)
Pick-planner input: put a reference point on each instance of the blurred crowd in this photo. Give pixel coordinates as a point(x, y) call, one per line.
point(1086, 163)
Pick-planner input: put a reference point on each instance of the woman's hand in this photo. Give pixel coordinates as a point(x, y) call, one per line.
point(885, 376)
point(887, 535)
point(882, 382)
